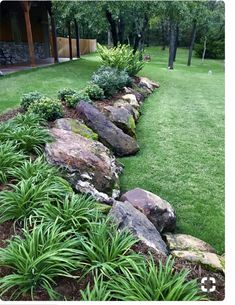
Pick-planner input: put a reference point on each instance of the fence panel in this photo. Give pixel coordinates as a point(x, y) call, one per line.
point(86, 46)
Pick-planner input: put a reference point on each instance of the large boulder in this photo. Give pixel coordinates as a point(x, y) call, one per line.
point(121, 117)
point(90, 166)
point(158, 211)
point(76, 126)
point(186, 242)
point(131, 99)
point(125, 104)
point(109, 134)
point(208, 260)
point(127, 217)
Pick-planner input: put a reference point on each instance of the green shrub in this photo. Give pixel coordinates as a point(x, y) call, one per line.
point(215, 49)
point(66, 92)
point(74, 212)
point(99, 291)
point(111, 79)
point(28, 195)
point(10, 159)
point(29, 119)
point(94, 91)
point(47, 108)
point(72, 100)
point(39, 170)
point(121, 57)
point(29, 98)
point(37, 259)
point(149, 282)
point(107, 250)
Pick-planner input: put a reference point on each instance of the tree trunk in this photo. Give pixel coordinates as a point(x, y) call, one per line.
point(204, 49)
point(139, 38)
point(113, 27)
point(193, 36)
point(171, 46)
point(77, 38)
point(70, 42)
point(163, 36)
point(176, 41)
point(121, 29)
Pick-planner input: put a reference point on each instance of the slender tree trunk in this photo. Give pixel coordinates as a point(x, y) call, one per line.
point(139, 39)
point(77, 38)
point(163, 36)
point(121, 30)
point(193, 36)
point(204, 49)
point(113, 27)
point(171, 46)
point(70, 42)
point(176, 41)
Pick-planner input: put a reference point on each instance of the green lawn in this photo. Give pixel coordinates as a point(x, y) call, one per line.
point(181, 134)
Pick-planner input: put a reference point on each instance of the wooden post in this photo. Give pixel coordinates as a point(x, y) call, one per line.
point(53, 32)
point(26, 8)
point(77, 38)
point(70, 41)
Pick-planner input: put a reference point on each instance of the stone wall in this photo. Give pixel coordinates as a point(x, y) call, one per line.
point(14, 53)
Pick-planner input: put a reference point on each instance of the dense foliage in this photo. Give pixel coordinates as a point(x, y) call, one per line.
point(121, 57)
point(111, 80)
point(94, 91)
point(47, 108)
point(77, 97)
point(29, 98)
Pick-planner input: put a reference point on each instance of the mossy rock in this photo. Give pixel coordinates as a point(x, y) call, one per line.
point(76, 126)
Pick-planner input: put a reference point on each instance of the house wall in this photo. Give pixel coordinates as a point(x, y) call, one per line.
point(13, 36)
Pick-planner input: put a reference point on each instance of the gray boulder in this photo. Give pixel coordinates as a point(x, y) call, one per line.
point(121, 117)
point(109, 134)
point(76, 126)
point(127, 217)
point(90, 166)
point(158, 211)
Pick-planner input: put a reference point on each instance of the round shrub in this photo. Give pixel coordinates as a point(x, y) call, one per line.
point(47, 108)
point(94, 91)
point(65, 93)
point(111, 80)
point(29, 98)
point(72, 100)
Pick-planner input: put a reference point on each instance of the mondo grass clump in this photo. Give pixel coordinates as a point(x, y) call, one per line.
point(28, 195)
point(151, 282)
point(10, 159)
point(107, 251)
point(37, 258)
point(26, 131)
point(75, 212)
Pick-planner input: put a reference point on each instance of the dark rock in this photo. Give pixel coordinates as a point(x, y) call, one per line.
point(90, 166)
point(158, 211)
point(127, 217)
point(121, 117)
point(109, 134)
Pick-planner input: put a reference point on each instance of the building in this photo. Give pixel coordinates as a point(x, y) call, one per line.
point(27, 32)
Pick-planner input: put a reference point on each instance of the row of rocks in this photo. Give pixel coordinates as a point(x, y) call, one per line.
point(85, 148)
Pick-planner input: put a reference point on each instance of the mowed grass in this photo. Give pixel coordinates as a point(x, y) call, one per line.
point(181, 134)
point(181, 138)
point(47, 80)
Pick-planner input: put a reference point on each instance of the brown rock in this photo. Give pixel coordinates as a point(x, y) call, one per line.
point(158, 211)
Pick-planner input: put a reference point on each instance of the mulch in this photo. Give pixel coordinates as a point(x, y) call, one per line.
point(10, 114)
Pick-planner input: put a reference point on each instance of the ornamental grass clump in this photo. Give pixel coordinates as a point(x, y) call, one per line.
point(10, 159)
point(75, 212)
point(151, 282)
point(26, 132)
point(37, 258)
point(28, 195)
point(107, 251)
point(121, 57)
